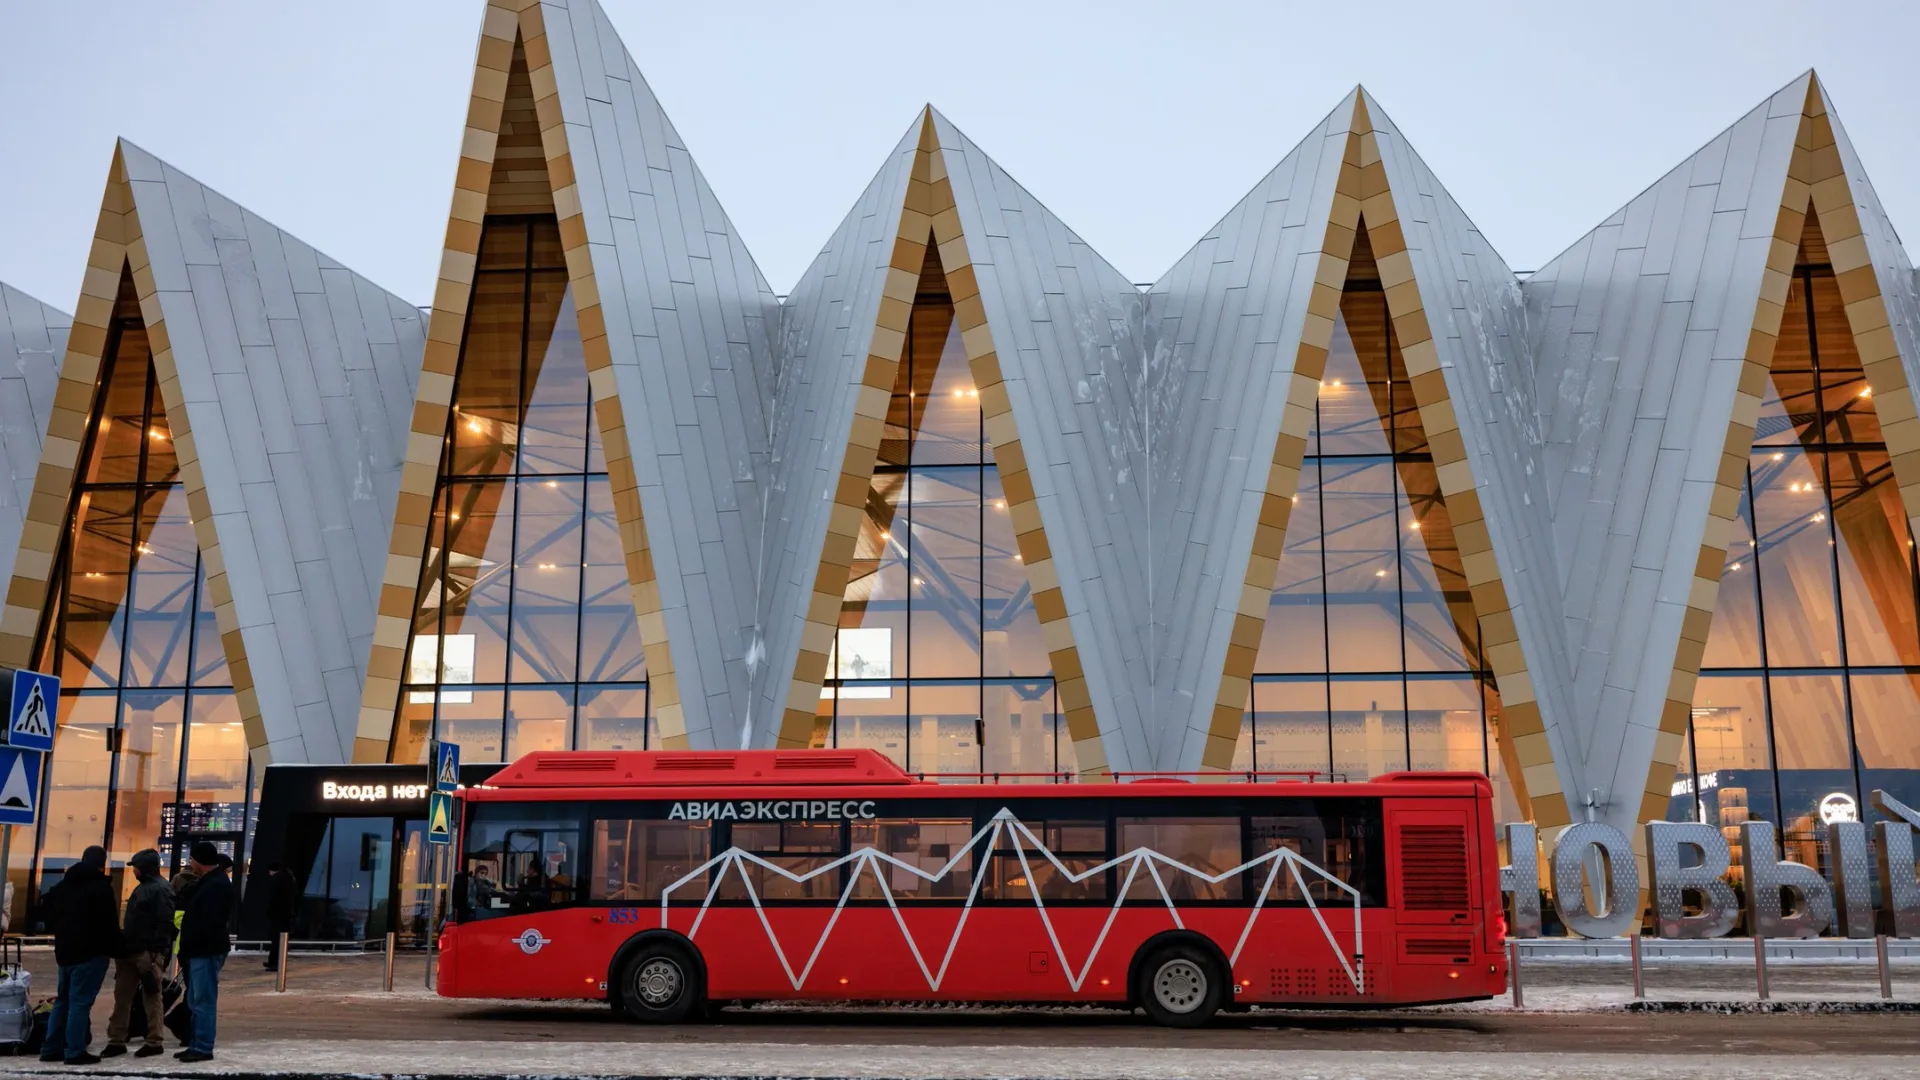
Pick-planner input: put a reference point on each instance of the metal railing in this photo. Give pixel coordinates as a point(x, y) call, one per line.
point(1763, 990)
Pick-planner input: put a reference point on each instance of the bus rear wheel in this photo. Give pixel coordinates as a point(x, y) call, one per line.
point(660, 985)
point(1181, 986)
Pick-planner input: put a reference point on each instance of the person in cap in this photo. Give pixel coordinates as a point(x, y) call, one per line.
point(84, 915)
point(204, 945)
point(148, 933)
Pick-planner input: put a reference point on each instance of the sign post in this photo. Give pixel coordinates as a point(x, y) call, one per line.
point(445, 757)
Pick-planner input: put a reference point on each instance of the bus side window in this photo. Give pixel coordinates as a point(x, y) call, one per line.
point(1340, 836)
point(801, 848)
point(1303, 835)
point(1079, 846)
point(637, 860)
point(932, 846)
point(1210, 845)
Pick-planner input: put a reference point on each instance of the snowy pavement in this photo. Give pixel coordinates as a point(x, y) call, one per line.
point(829, 1060)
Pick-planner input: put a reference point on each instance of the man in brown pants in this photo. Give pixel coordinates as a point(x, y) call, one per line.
point(148, 932)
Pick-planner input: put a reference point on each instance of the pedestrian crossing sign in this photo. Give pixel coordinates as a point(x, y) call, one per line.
point(439, 818)
point(19, 785)
point(446, 766)
point(30, 721)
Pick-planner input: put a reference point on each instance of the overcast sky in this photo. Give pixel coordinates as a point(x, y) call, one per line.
point(1139, 124)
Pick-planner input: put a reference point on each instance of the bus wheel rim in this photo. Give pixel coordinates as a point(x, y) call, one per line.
point(1180, 986)
point(658, 981)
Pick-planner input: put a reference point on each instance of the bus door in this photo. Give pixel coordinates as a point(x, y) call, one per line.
point(1434, 890)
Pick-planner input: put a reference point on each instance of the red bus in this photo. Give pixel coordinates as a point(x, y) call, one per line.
point(665, 881)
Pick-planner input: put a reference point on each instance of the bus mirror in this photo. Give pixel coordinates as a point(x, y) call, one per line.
point(1618, 890)
point(1521, 879)
point(1672, 880)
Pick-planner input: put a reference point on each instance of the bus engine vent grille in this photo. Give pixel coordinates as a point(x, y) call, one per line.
point(578, 764)
point(814, 762)
point(1295, 983)
point(694, 763)
point(1307, 983)
point(1446, 950)
point(1433, 870)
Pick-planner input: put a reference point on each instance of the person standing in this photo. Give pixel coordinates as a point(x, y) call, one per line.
point(204, 946)
point(85, 919)
point(283, 897)
point(148, 934)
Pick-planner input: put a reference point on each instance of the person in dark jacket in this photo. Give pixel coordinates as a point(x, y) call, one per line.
point(204, 945)
point(148, 932)
point(85, 918)
point(283, 898)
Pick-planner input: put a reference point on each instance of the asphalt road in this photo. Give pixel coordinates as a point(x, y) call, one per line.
point(339, 1000)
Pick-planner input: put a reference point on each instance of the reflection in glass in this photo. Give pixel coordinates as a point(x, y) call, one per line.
point(1814, 649)
point(939, 661)
point(524, 592)
point(1369, 724)
point(1370, 586)
point(132, 633)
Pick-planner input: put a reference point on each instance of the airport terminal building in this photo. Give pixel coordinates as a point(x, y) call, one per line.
point(1338, 493)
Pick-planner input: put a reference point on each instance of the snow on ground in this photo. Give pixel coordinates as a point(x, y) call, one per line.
point(827, 1060)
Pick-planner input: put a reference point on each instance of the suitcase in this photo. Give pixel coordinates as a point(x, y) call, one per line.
point(180, 1020)
point(16, 1000)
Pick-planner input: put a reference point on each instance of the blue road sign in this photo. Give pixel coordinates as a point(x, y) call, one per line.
point(446, 766)
point(19, 785)
point(439, 817)
point(30, 721)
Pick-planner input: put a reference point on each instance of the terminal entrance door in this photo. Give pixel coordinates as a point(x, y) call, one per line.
point(413, 886)
point(347, 891)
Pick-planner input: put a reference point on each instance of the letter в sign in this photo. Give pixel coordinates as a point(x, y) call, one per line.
point(1672, 880)
point(1522, 879)
point(1766, 876)
point(1622, 892)
point(1899, 891)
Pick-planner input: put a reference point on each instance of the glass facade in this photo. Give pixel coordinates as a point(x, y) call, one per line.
point(524, 634)
point(1371, 659)
point(149, 749)
point(1811, 677)
point(939, 661)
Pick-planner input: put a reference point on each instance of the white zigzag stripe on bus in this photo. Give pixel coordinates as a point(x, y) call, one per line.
point(1013, 828)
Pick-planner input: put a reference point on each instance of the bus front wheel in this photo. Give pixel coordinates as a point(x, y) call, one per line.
point(660, 985)
point(1181, 986)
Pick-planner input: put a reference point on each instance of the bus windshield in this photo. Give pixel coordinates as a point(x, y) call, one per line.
point(519, 858)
